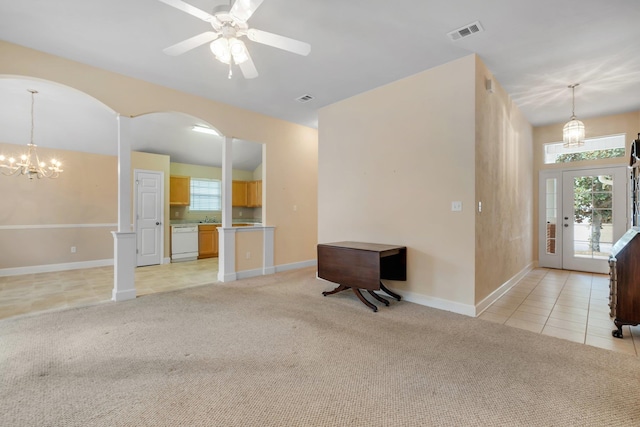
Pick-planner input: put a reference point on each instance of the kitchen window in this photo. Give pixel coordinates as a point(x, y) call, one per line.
point(206, 194)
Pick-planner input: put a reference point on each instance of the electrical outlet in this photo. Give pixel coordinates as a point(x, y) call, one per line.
point(295, 208)
point(456, 206)
point(73, 249)
point(240, 213)
point(248, 255)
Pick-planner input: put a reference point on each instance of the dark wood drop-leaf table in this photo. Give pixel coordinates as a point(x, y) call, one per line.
point(361, 266)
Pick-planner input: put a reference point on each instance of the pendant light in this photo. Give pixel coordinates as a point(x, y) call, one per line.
point(573, 131)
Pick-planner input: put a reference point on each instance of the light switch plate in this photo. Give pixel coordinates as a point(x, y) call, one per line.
point(456, 206)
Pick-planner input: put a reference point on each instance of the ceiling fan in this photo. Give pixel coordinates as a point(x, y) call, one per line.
point(229, 24)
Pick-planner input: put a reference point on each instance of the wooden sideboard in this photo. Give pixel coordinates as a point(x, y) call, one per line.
point(624, 281)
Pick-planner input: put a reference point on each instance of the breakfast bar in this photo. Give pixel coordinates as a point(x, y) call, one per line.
point(359, 265)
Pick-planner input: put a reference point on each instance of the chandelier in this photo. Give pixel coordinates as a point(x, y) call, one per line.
point(29, 164)
point(573, 131)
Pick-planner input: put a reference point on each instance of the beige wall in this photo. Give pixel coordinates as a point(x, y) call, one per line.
point(79, 209)
point(627, 123)
point(391, 162)
point(504, 185)
point(291, 150)
point(249, 243)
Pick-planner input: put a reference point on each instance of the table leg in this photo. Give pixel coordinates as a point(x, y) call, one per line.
point(378, 297)
point(364, 300)
point(388, 292)
point(336, 290)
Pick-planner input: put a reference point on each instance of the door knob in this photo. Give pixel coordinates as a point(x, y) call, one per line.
point(157, 223)
point(566, 217)
point(566, 225)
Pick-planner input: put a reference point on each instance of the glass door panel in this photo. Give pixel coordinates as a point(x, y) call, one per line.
point(594, 217)
point(550, 224)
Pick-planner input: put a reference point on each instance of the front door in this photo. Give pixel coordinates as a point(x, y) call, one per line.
point(149, 217)
point(582, 213)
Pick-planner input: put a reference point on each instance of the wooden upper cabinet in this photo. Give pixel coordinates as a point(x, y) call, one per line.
point(254, 194)
point(239, 193)
point(247, 194)
point(179, 190)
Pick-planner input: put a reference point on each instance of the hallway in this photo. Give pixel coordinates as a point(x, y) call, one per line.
point(564, 304)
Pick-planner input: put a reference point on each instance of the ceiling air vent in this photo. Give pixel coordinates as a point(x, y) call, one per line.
point(304, 98)
point(466, 31)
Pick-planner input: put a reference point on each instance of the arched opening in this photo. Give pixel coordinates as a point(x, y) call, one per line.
point(63, 227)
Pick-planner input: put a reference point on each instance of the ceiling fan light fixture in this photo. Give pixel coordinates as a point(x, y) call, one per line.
point(220, 48)
point(238, 51)
point(573, 132)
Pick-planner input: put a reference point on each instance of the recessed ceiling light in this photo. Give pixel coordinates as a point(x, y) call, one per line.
point(204, 129)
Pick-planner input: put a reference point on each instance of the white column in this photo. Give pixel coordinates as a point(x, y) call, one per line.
point(226, 233)
point(227, 254)
point(124, 258)
point(267, 250)
point(124, 248)
point(227, 181)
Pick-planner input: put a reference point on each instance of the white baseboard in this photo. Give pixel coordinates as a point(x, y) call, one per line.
point(123, 295)
point(296, 265)
point(503, 289)
point(245, 274)
point(439, 303)
point(228, 277)
point(48, 268)
point(427, 301)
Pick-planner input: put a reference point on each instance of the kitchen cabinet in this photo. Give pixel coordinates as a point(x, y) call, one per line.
point(179, 190)
point(254, 194)
point(247, 194)
point(207, 241)
point(239, 194)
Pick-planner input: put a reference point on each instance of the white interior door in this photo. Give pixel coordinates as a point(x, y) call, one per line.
point(582, 214)
point(149, 217)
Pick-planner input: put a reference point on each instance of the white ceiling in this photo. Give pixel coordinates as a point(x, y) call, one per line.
point(534, 48)
point(67, 119)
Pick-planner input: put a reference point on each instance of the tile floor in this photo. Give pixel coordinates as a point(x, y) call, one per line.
point(564, 304)
point(31, 293)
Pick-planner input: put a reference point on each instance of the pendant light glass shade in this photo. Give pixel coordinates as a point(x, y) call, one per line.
point(573, 132)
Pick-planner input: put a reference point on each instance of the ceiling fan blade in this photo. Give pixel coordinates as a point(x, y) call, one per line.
point(191, 43)
point(248, 69)
point(191, 10)
point(281, 42)
point(243, 9)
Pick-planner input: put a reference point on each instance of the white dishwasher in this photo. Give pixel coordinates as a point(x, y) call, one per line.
point(184, 242)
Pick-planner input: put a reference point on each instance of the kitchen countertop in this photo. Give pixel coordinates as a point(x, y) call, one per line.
point(235, 221)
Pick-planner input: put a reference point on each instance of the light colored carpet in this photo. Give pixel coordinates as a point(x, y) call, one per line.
point(271, 351)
